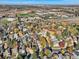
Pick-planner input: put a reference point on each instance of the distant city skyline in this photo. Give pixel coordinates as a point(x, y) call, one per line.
point(55, 2)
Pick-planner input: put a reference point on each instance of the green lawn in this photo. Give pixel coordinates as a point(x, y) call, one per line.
point(25, 15)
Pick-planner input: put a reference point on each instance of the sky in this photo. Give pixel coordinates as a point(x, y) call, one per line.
point(55, 2)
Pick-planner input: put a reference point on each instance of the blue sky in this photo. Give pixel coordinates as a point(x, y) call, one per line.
point(64, 2)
